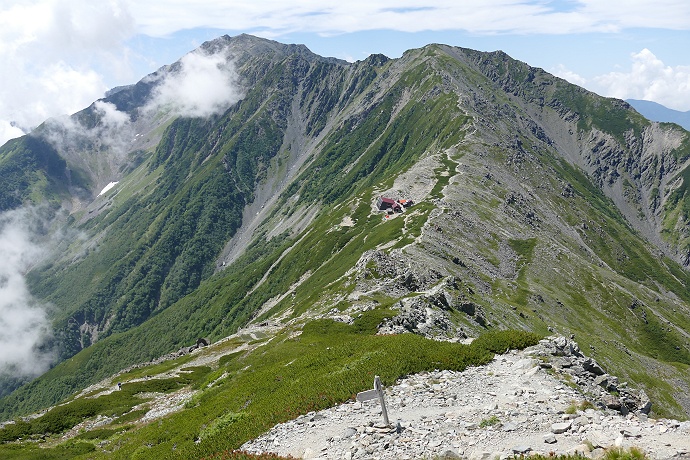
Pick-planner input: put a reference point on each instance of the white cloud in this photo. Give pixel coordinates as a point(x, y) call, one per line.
point(111, 118)
point(113, 130)
point(23, 321)
point(650, 79)
point(626, 14)
point(56, 89)
point(9, 130)
point(199, 86)
point(163, 17)
point(52, 51)
point(64, 26)
point(562, 72)
point(58, 54)
point(203, 85)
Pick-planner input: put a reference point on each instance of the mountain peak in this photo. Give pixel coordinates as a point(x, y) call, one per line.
point(243, 45)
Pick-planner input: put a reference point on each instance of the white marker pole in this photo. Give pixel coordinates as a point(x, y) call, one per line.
point(377, 392)
point(379, 389)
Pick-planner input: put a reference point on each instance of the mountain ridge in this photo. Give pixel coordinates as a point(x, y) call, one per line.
point(514, 174)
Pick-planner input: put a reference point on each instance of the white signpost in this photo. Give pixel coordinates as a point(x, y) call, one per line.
point(377, 392)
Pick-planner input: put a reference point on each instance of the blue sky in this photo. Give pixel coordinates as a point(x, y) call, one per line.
point(58, 56)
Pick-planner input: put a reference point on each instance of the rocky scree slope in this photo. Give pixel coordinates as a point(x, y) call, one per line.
point(640, 165)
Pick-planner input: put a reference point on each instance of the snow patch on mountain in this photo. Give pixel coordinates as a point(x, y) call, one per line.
point(108, 187)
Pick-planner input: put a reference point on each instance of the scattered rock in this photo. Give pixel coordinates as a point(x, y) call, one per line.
point(350, 432)
point(561, 427)
point(509, 426)
point(604, 390)
point(592, 367)
point(521, 450)
point(630, 433)
point(450, 454)
point(444, 414)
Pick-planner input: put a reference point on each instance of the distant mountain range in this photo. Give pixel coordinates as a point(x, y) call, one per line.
point(658, 112)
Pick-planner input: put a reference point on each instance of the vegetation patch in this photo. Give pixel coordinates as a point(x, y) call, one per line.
point(241, 455)
point(70, 449)
point(582, 406)
point(490, 421)
point(524, 249)
point(663, 343)
point(221, 425)
point(102, 433)
point(616, 453)
point(131, 416)
point(119, 402)
point(327, 364)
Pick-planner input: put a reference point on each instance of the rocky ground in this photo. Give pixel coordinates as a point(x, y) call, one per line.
point(546, 399)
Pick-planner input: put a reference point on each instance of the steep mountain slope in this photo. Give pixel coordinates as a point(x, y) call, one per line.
point(32, 169)
point(538, 206)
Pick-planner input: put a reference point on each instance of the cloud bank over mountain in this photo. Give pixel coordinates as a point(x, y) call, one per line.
point(61, 55)
point(55, 57)
point(24, 324)
point(200, 84)
point(203, 85)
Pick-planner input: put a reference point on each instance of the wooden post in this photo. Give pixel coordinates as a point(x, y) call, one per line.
point(377, 392)
point(379, 389)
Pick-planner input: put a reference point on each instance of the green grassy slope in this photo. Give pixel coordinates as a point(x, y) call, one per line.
point(247, 393)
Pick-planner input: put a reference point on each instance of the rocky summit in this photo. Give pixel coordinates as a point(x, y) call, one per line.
point(546, 399)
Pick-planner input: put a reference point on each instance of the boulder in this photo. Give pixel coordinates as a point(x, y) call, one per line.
point(592, 367)
point(612, 402)
point(580, 421)
point(644, 405)
point(560, 427)
point(521, 450)
point(450, 454)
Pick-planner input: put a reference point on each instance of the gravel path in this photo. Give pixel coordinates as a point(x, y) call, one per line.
point(510, 406)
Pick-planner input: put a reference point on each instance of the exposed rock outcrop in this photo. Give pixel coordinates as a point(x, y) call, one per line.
point(564, 358)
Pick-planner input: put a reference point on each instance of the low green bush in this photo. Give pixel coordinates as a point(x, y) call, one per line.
point(18, 429)
point(102, 433)
point(221, 425)
point(115, 404)
point(328, 364)
point(491, 421)
point(617, 453)
point(67, 450)
point(131, 416)
point(502, 341)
